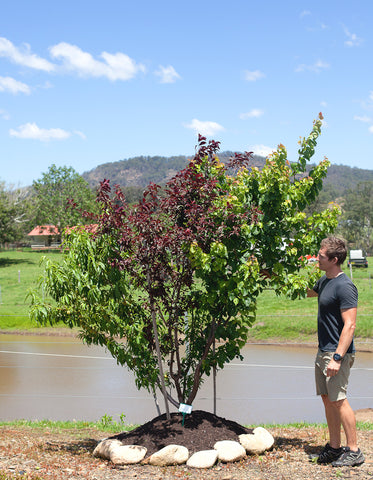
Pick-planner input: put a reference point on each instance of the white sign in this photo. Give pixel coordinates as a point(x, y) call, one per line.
point(184, 408)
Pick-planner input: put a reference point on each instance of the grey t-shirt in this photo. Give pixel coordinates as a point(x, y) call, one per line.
point(334, 294)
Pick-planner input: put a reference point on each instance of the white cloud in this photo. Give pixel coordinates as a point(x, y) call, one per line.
point(254, 113)
point(167, 74)
point(262, 150)
point(323, 104)
point(353, 39)
point(8, 84)
point(364, 118)
point(371, 129)
point(23, 56)
point(371, 95)
point(116, 66)
point(204, 128)
point(254, 75)
point(32, 131)
point(316, 67)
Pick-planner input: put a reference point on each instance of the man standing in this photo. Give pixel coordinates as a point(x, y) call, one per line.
point(336, 321)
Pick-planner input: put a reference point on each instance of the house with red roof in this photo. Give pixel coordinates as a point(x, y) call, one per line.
point(45, 237)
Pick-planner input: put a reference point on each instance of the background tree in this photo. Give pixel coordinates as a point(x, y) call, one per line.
point(52, 194)
point(187, 267)
point(14, 213)
point(356, 223)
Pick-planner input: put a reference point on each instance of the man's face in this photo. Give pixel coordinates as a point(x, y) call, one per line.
point(324, 262)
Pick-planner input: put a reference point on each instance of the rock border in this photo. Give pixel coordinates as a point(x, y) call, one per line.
point(226, 451)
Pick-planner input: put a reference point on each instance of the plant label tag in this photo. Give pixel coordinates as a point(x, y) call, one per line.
point(184, 408)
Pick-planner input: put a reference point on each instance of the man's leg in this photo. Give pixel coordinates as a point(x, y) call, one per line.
point(340, 413)
point(351, 456)
point(348, 420)
point(333, 420)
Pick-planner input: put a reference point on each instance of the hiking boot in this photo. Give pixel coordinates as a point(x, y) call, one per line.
point(349, 458)
point(328, 454)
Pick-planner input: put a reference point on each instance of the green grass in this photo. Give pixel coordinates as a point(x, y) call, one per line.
point(365, 426)
point(277, 318)
point(19, 271)
point(105, 424)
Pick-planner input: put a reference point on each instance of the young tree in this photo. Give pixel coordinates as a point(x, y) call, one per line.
point(52, 194)
point(183, 271)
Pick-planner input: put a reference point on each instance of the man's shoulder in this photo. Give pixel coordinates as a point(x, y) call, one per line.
point(346, 288)
point(339, 284)
point(345, 279)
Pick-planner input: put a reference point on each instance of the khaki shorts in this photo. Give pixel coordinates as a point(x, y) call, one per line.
point(334, 387)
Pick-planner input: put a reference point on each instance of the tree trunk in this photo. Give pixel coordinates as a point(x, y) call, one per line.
point(158, 349)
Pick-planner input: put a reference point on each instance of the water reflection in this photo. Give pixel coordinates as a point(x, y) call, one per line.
point(60, 379)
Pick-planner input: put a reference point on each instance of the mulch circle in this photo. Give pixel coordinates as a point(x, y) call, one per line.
point(200, 431)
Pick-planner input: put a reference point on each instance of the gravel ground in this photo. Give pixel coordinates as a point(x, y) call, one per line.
point(32, 453)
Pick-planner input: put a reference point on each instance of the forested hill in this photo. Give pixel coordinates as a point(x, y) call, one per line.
point(345, 178)
point(139, 171)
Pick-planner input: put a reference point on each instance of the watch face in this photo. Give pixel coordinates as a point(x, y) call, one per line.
point(337, 357)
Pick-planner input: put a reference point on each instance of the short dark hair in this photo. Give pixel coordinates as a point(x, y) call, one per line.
point(335, 248)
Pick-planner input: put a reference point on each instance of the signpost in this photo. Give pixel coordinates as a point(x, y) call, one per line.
point(185, 410)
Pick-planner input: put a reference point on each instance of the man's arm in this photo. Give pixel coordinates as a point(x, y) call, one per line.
point(347, 334)
point(349, 320)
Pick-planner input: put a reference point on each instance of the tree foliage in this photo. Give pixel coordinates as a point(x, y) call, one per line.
point(356, 223)
point(14, 203)
point(52, 194)
point(194, 259)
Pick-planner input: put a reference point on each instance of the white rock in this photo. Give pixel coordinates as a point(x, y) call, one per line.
point(257, 442)
point(203, 459)
point(127, 454)
point(102, 450)
point(229, 451)
point(169, 455)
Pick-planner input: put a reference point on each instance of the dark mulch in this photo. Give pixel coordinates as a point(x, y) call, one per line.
point(201, 430)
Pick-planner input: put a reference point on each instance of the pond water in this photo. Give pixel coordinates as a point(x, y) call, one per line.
point(59, 378)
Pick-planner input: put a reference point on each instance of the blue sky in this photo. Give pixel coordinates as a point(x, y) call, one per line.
point(88, 82)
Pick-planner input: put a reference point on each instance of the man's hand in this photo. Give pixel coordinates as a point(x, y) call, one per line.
point(333, 368)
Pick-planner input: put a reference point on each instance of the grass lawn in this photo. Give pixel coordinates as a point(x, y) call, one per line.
point(19, 271)
point(277, 317)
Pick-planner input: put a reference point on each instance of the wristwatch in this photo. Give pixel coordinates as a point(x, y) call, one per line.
point(337, 357)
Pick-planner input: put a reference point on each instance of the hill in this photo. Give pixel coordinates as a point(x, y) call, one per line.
point(345, 178)
point(139, 171)
point(134, 174)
